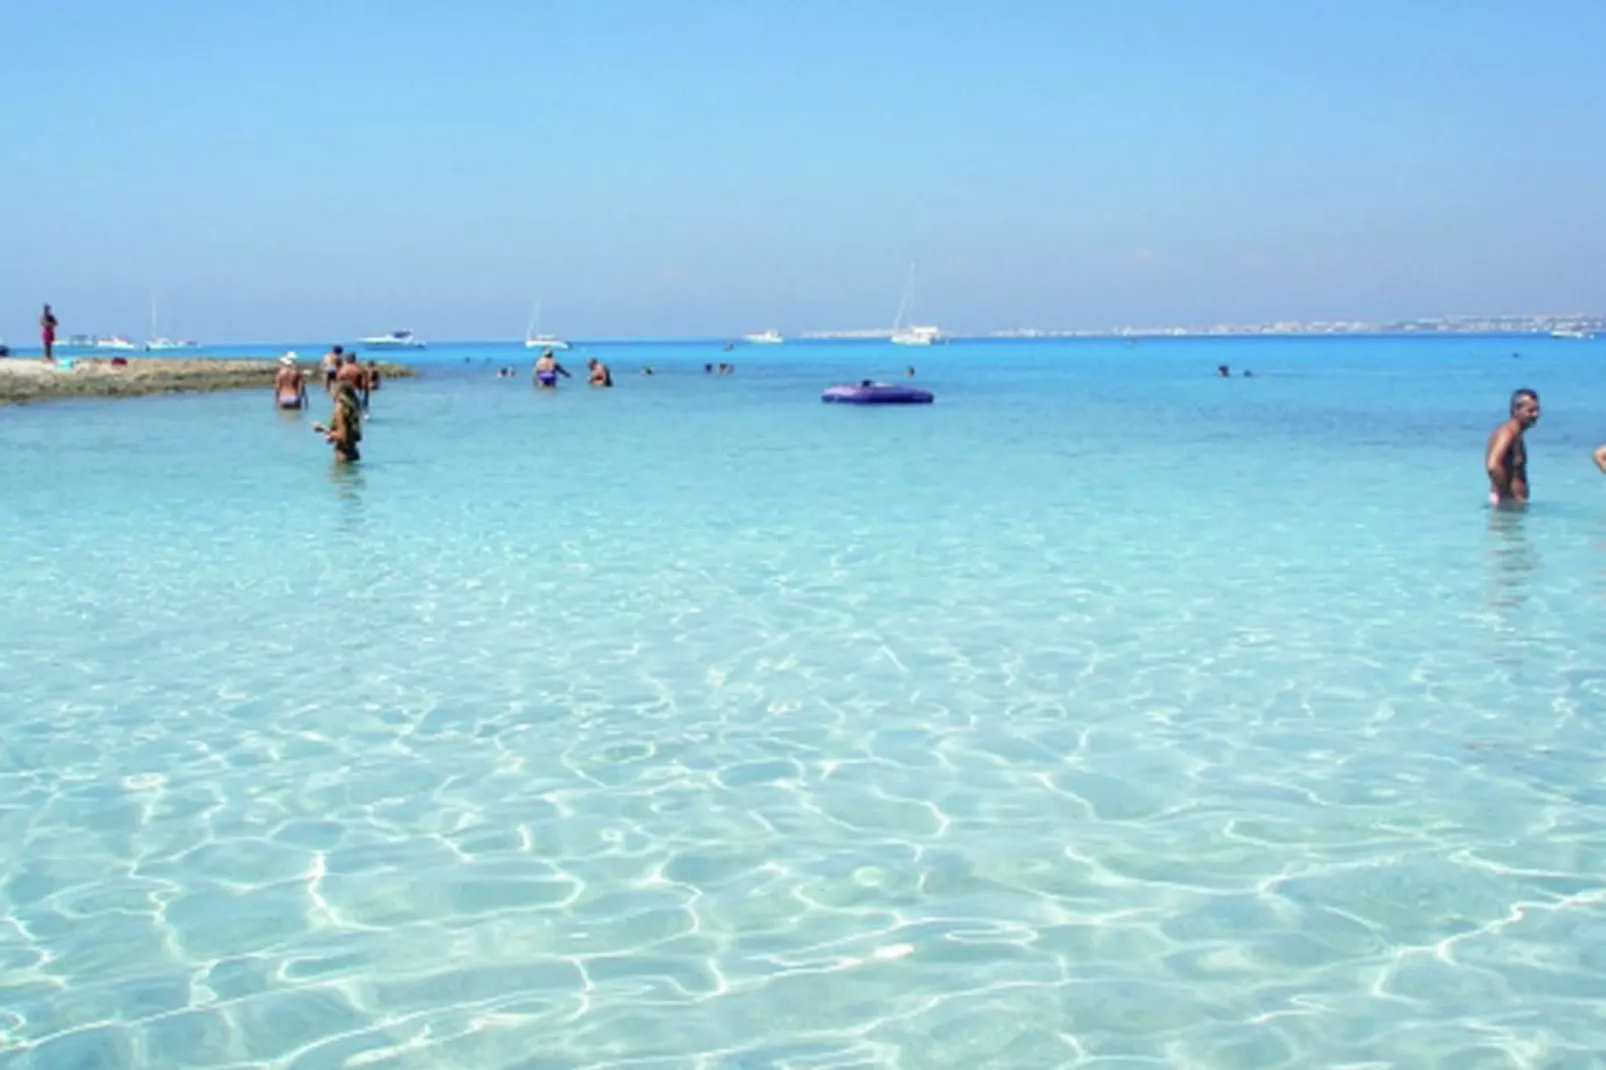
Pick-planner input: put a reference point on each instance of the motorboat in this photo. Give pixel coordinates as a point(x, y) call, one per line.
point(764, 338)
point(392, 340)
point(112, 341)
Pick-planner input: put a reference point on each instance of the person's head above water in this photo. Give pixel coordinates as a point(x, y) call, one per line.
point(1525, 407)
point(350, 358)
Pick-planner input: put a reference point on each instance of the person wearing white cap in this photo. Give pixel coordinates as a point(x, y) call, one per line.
point(290, 384)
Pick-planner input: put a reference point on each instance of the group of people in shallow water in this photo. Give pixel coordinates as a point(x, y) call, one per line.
point(350, 387)
point(547, 369)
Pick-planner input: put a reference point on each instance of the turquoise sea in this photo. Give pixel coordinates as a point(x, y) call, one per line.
point(1103, 714)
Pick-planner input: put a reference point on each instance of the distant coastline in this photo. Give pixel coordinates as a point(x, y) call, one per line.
point(1568, 325)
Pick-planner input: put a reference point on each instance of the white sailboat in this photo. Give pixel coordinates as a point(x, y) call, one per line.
point(157, 343)
point(908, 334)
point(535, 340)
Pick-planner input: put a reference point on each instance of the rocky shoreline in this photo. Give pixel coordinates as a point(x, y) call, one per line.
point(24, 380)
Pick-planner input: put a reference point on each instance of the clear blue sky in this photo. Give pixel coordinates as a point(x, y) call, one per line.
point(308, 171)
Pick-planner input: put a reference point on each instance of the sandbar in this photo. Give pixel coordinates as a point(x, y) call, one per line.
point(24, 379)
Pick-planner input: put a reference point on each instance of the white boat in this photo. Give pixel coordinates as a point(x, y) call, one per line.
point(915, 336)
point(393, 340)
point(907, 334)
point(157, 343)
point(763, 338)
point(1570, 332)
point(112, 341)
point(534, 339)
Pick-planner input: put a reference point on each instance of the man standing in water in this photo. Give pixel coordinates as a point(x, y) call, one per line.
point(1507, 458)
point(600, 375)
point(353, 373)
point(47, 332)
point(330, 365)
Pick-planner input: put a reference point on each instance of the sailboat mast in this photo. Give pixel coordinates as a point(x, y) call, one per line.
point(903, 305)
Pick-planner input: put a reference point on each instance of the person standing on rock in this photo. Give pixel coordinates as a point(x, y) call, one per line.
point(47, 332)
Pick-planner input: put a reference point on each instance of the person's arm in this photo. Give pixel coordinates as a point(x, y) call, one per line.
point(1600, 457)
point(1495, 462)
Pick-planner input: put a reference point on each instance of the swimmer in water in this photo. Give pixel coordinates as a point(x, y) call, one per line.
point(289, 385)
point(1600, 457)
point(344, 429)
point(599, 375)
point(1223, 372)
point(547, 370)
point(1507, 458)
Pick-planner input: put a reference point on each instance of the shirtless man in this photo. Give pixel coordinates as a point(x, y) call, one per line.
point(600, 375)
point(289, 385)
point(1507, 458)
point(330, 366)
point(353, 374)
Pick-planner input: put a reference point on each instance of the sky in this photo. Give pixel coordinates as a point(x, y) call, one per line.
point(316, 171)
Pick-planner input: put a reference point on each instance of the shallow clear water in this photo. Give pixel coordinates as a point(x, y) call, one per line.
point(1102, 714)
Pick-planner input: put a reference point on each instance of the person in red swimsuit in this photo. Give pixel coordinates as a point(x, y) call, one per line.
point(47, 332)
